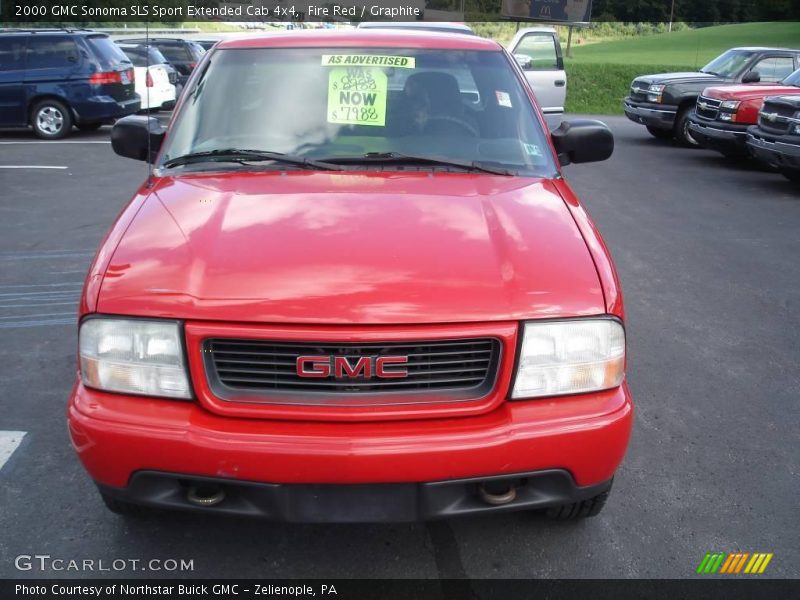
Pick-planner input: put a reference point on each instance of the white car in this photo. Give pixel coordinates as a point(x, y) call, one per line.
point(152, 76)
point(538, 52)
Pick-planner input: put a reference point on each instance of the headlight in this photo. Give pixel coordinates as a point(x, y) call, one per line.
point(570, 357)
point(133, 356)
point(727, 110)
point(730, 105)
point(655, 92)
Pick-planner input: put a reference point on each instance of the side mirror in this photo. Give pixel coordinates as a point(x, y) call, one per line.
point(582, 140)
point(524, 61)
point(138, 137)
point(751, 77)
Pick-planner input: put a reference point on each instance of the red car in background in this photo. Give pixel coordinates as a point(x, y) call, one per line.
point(724, 113)
point(364, 294)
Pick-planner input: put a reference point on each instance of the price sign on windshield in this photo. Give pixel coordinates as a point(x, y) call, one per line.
point(357, 96)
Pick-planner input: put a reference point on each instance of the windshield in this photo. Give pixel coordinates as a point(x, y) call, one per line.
point(793, 79)
point(332, 104)
point(729, 64)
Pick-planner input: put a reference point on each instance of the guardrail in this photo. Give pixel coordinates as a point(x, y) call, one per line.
point(143, 30)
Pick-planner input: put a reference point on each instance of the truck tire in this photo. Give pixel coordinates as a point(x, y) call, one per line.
point(126, 509)
point(682, 133)
point(579, 510)
point(51, 120)
point(662, 134)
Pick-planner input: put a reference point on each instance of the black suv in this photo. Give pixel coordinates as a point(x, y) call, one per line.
point(663, 103)
point(776, 139)
point(52, 79)
point(181, 54)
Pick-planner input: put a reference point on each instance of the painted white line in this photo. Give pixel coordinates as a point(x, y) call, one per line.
point(52, 143)
point(32, 167)
point(9, 441)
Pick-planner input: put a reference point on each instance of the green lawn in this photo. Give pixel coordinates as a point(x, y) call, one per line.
point(599, 75)
point(693, 47)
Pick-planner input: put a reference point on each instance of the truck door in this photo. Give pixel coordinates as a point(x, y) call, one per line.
point(545, 69)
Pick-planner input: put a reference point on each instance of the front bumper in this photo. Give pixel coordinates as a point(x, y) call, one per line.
point(722, 137)
point(659, 116)
point(773, 150)
point(584, 436)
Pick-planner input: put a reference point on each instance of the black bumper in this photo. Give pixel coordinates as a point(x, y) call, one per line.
point(728, 138)
point(653, 115)
point(347, 503)
point(782, 152)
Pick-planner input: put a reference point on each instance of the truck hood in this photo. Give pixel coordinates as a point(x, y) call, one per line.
point(372, 248)
point(678, 78)
point(749, 91)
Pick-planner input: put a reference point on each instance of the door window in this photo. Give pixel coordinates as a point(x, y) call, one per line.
point(541, 48)
point(12, 53)
point(775, 68)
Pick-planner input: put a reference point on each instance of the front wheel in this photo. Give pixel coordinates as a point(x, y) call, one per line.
point(579, 510)
point(682, 133)
point(662, 134)
point(51, 120)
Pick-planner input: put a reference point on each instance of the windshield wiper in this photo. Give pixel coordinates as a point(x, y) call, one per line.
point(713, 73)
point(398, 158)
point(245, 156)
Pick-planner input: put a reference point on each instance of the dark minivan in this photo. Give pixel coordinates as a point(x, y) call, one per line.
point(54, 79)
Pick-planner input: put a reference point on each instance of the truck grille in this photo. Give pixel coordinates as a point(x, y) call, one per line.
point(707, 108)
point(639, 91)
point(776, 118)
point(263, 370)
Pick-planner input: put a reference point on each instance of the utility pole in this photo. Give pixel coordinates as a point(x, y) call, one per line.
point(671, 15)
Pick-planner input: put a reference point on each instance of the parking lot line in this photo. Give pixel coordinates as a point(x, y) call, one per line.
point(9, 441)
point(32, 167)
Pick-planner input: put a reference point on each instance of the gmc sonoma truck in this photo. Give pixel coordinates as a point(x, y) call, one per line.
point(776, 139)
point(724, 113)
point(364, 294)
point(664, 103)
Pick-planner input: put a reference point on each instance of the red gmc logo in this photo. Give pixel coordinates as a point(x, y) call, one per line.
point(342, 366)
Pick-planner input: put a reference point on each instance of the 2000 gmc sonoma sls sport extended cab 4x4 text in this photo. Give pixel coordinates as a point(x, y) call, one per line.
point(356, 288)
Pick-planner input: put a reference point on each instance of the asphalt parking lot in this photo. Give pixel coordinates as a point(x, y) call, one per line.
point(707, 251)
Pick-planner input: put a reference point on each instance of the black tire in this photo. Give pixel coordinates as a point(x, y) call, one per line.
point(662, 134)
point(681, 131)
point(579, 510)
point(125, 509)
point(791, 174)
point(90, 126)
point(51, 120)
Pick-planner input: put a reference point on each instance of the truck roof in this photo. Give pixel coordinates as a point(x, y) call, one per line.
point(363, 38)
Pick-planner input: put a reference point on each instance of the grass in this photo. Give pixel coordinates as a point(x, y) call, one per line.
point(693, 47)
point(599, 75)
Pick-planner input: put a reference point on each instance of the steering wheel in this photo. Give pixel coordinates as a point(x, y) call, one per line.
point(465, 126)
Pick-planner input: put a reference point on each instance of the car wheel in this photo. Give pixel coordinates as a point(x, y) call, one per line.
point(51, 120)
point(127, 509)
point(662, 134)
point(579, 510)
point(89, 126)
point(682, 133)
point(791, 175)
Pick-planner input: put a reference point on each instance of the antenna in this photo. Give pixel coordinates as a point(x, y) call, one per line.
point(147, 94)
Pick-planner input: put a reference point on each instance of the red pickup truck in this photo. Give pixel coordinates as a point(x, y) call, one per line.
point(724, 113)
point(356, 288)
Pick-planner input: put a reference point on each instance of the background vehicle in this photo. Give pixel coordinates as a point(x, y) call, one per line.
point(724, 113)
point(154, 76)
point(206, 44)
point(664, 102)
point(538, 52)
point(183, 55)
point(776, 139)
point(505, 387)
point(53, 79)
point(432, 26)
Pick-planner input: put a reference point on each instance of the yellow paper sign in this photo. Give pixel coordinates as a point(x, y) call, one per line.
point(368, 60)
point(357, 96)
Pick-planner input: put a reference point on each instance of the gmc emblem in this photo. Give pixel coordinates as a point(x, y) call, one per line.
point(342, 366)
